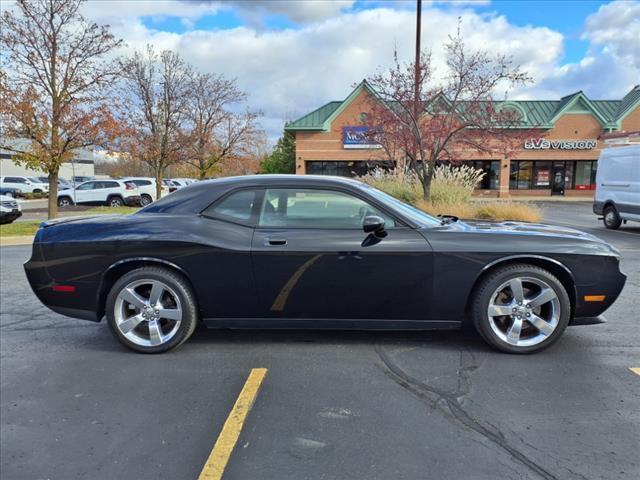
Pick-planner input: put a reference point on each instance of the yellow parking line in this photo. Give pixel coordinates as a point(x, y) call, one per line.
point(219, 456)
point(635, 370)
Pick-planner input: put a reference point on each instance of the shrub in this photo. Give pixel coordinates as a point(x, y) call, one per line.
point(516, 211)
point(496, 210)
point(454, 184)
point(405, 187)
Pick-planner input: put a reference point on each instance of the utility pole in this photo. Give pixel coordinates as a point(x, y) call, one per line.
point(416, 91)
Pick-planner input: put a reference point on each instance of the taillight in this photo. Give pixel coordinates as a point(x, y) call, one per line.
point(129, 186)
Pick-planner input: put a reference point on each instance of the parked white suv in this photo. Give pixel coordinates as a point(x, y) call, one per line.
point(9, 209)
point(24, 184)
point(114, 193)
point(147, 187)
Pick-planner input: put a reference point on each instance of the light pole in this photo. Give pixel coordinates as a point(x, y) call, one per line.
point(416, 91)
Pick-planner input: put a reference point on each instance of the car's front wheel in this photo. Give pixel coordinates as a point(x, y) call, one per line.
point(152, 310)
point(521, 308)
point(611, 218)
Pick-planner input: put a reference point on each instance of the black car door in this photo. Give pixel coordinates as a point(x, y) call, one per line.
point(312, 259)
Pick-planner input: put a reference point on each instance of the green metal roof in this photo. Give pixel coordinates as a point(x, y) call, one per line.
point(628, 101)
point(315, 119)
point(539, 113)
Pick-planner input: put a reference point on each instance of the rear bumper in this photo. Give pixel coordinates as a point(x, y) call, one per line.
point(133, 200)
point(10, 216)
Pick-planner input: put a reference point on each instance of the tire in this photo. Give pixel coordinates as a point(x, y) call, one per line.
point(611, 218)
point(145, 200)
point(132, 325)
point(115, 202)
point(541, 325)
point(37, 190)
point(65, 202)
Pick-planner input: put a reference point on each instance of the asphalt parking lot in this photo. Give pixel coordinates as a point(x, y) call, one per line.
point(333, 405)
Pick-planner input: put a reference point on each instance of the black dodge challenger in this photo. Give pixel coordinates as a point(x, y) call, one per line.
point(289, 251)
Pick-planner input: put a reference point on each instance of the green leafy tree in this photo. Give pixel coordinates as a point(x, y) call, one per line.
point(283, 157)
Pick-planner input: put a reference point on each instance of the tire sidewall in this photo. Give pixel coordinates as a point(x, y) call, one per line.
point(145, 200)
point(489, 285)
point(616, 222)
point(115, 199)
point(182, 289)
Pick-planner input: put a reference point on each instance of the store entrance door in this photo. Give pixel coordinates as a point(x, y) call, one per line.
point(558, 178)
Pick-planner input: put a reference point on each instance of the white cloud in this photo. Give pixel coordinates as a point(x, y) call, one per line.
point(616, 28)
point(293, 71)
point(611, 65)
point(295, 10)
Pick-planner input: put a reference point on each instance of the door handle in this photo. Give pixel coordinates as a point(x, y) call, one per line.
point(275, 241)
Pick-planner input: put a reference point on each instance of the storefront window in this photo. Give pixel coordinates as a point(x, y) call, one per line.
point(521, 175)
point(344, 169)
point(541, 175)
point(491, 169)
point(584, 175)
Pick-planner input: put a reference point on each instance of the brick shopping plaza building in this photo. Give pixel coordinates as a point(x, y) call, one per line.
point(559, 159)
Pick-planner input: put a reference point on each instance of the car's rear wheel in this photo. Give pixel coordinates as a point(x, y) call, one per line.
point(145, 200)
point(64, 202)
point(521, 309)
point(152, 310)
point(115, 202)
point(611, 217)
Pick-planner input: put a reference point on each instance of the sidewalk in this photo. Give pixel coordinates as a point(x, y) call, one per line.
point(13, 241)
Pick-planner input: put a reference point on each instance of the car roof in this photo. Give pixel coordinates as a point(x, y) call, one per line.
point(281, 178)
point(196, 196)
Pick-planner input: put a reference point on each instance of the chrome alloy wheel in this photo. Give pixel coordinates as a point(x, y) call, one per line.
point(148, 312)
point(524, 311)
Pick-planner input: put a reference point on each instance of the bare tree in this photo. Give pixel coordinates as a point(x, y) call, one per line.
point(457, 114)
point(54, 68)
point(212, 132)
point(155, 88)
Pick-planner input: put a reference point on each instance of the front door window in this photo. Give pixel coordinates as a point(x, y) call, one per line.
point(308, 208)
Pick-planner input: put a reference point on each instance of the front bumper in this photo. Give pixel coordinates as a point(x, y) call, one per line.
point(598, 207)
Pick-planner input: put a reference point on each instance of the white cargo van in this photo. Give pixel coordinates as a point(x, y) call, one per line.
point(618, 185)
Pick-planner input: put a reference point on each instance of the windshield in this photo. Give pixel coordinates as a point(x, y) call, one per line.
point(418, 216)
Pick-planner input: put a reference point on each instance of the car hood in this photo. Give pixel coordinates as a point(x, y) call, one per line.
point(528, 228)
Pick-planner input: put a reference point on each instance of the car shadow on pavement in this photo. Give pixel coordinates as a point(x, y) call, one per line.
point(456, 339)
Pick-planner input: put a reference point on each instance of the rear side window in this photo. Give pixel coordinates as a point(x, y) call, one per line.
point(141, 183)
point(110, 184)
point(237, 207)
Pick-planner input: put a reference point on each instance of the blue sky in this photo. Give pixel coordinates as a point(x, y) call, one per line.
point(293, 56)
point(566, 17)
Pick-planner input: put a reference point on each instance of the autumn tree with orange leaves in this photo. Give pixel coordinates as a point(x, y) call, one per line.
point(456, 111)
point(54, 70)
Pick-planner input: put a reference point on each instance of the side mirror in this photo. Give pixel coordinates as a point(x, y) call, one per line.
point(374, 224)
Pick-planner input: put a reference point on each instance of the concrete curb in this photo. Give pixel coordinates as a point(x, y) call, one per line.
point(13, 241)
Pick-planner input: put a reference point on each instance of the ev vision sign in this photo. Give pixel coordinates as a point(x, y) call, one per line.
point(542, 144)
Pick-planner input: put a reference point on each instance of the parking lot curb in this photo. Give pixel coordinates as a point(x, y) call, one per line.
point(13, 241)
